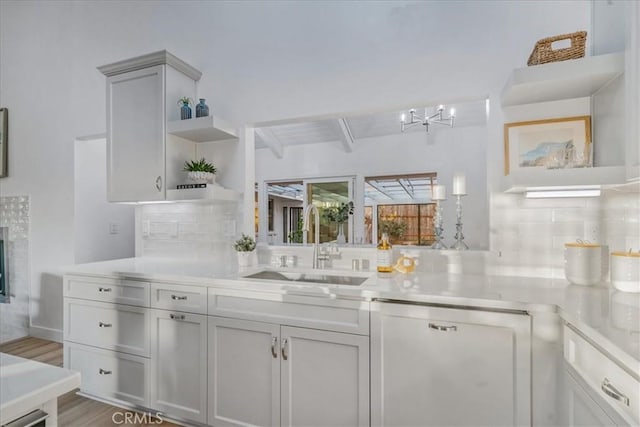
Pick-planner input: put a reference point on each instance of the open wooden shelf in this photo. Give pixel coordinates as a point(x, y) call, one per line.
point(202, 129)
point(209, 194)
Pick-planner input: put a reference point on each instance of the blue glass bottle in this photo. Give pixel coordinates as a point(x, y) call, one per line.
point(185, 111)
point(202, 109)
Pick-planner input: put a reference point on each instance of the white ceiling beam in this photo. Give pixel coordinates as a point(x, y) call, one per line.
point(271, 141)
point(346, 138)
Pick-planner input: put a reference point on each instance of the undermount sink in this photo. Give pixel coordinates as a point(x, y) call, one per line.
point(308, 277)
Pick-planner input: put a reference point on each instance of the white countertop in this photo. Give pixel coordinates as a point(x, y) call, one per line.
point(611, 319)
point(27, 384)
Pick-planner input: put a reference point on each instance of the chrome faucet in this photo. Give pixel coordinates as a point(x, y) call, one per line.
point(316, 216)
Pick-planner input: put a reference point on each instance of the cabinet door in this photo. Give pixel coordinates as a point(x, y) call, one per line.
point(244, 373)
point(179, 364)
point(444, 367)
point(136, 136)
point(325, 378)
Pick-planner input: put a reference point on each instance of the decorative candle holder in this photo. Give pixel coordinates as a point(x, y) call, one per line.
point(459, 245)
point(438, 228)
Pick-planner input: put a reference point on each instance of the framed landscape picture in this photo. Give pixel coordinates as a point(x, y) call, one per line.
point(548, 144)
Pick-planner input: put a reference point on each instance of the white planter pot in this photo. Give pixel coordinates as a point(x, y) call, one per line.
point(202, 177)
point(245, 259)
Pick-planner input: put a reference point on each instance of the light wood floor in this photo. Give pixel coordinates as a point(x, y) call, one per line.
point(73, 410)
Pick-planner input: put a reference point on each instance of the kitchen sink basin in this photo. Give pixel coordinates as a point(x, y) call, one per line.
point(307, 277)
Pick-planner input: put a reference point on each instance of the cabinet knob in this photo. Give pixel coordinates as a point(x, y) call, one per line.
point(177, 316)
point(178, 298)
point(285, 343)
point(611, 391)
point(104, 325)
point(104, 372)
point(445, 328)
point(274, 344)
point(104, 289)
point(159, 183)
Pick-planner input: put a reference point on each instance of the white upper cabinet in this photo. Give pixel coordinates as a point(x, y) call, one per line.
point(147, 143)
point(632, 70)
point(135, 135)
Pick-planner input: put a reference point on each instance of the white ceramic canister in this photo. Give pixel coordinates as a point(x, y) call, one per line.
point(583, 263)
point(625, 271)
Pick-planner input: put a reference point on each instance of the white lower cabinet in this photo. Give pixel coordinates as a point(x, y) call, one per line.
point(270, 374)
point(179, 364)
point(434, 366)
point(579, 409)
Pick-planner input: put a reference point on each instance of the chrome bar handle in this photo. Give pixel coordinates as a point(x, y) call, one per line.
point(159, 183)
point(104, 325)
point(179, 298)
point(611, 391)
point(177, 316)
point(104, 372)
point(104, 289)
point(285, 342)
point(451, 328)
point(274, 344)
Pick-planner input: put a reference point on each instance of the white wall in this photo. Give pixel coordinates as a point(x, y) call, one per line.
point(262, 61)
point(95, 238)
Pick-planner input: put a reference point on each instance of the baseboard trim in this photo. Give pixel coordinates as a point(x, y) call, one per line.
point(46, 333)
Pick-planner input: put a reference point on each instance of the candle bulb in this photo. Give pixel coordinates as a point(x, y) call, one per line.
point(440, 107)
point(403, 118)
point(452, 112)
point(459, 184)
point(439, 192)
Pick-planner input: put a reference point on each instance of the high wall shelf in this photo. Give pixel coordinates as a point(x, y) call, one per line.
point(209, 194)
point(559, 89)
point(562, 80)
point(202, 129)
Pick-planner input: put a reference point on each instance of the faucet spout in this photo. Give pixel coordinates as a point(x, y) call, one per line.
point(316, 216)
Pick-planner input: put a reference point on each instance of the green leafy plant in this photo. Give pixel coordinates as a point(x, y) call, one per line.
point(185, 100)
point(339, 214)
point(393, 228)
point(199, 166)
point(296, 236)
point(245, 244)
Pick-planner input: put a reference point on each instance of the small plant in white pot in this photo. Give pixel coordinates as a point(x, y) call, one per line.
point(245, 248)
point(200, 171)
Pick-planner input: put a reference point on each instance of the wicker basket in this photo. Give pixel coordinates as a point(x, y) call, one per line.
point(543, 51)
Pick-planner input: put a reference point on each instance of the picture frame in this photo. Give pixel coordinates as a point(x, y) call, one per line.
point(4, 141)
point(559, 143)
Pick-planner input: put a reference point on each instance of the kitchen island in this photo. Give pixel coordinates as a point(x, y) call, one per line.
point(29, 390)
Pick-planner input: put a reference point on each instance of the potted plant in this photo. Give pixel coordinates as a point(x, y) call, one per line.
point(245, 247)
point(200, 171)
point(340, 215)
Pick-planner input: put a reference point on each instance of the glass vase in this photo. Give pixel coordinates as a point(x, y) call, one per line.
point(185, 112)
point(202, 109)
point(341, 239)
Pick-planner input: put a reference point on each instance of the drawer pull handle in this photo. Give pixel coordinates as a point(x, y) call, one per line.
point(285, 343)
point(610, 390)
point(104, 289)
point(444, 328)
point(274, 344)
point(177, 316)
point(103, 372)
point(105, 325)
point(178, 298)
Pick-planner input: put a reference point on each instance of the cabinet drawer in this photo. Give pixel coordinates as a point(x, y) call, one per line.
point(191, 299)
point(615, 385)
point(109, 374)
point(118, 291)
point(113, 327)
point(317, 313)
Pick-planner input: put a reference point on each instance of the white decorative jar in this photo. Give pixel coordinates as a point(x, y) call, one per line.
point(245, 259)
point(201, 177)
point(625, 271)
point(583, 263)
